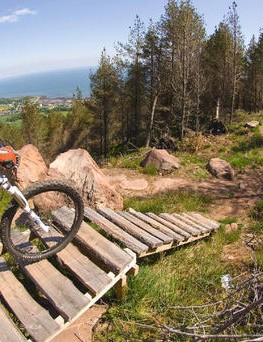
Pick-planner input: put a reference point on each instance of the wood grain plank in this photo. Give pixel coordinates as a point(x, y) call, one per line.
point(99, 249)
point(156, 224)
point(9, 332)
point(155, 232)
point(87, 272)
point(190, 223)
point(130, 228)
point(197, 221)
point(180, 224)
point(115, 231)
point(213, 224)
point(182, 234)
point(35, 319)
point(59, 290)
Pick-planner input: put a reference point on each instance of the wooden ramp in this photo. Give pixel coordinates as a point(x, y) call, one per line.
point(44, 298)
point(149, 233)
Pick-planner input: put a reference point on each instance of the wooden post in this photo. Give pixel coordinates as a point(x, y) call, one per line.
point(134, 271)
point(121, 287)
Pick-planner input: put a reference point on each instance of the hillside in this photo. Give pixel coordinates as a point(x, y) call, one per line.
point(191, 276)
point(181, 294)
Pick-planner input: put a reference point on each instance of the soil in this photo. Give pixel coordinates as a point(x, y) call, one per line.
point(82, 328)
point(231, 198)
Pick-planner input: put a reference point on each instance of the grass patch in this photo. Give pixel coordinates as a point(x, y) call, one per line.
point(241, 160)
point(201, 175)
point(247, 144)
point(171, 201)
point(186, 159)
point(129, 160)
point(188, 276)
point(150, 170)
point(228, 220)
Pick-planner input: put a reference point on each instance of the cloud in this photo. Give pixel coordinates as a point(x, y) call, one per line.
point(14, 17)
point(24, 11)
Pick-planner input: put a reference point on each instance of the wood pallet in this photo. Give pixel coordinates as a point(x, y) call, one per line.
point(146, 234)
point(56, 294)
point(93, 264)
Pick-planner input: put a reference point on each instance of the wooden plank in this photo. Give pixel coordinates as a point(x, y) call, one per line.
point(155, 232)
point(35, 319)
point(213, 224)
point(190, 223)
point(180, 224)
point(156, 224)
point(59, 290)
point(105, 252)
point(182, 234)
point(9, 332)
point(87, 272)
point(115, 231)
point(130, 228)
point(198, 221)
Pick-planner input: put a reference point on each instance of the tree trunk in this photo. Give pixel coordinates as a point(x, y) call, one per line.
point(217, 109)
point(150, 126)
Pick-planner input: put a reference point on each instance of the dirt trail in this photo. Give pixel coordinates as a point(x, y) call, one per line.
point(231, 198)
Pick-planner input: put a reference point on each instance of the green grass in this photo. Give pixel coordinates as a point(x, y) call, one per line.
point(190, 275)
point(150, 170)
point(186, 159)
point(246, 151)
point(171, 201)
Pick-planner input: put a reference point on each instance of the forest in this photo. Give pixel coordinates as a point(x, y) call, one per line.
point(169, 77)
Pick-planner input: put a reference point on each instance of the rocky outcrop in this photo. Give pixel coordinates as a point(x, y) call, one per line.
point(220, 169)
point(162, 160)
point(32, 167)
point(78, 166)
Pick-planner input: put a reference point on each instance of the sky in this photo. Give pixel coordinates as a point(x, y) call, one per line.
point(43, 35)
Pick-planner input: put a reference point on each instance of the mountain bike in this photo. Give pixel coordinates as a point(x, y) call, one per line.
point(28, 230)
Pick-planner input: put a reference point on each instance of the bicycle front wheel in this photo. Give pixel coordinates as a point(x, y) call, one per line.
point(50, 199)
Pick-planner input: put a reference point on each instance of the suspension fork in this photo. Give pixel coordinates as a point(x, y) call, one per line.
point(22, 202)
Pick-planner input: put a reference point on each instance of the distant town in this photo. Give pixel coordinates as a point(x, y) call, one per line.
point(9, 106)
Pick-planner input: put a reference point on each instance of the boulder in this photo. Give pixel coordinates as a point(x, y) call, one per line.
point(78, 166)
point(252, 124)
point(162, 160)
point(32, 167)
point(220, 169)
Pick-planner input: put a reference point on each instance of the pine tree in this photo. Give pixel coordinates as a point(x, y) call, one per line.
point(34, 126)
point(183, 34)
point(132, 52)
point(152, 56)
point(236, 55)
point(217, 65)
point(104, 92)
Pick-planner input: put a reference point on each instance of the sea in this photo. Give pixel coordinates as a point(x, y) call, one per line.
point(59, 83)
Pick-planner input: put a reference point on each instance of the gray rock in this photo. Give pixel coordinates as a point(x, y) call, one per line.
point(220, 169)
point(162, 160)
